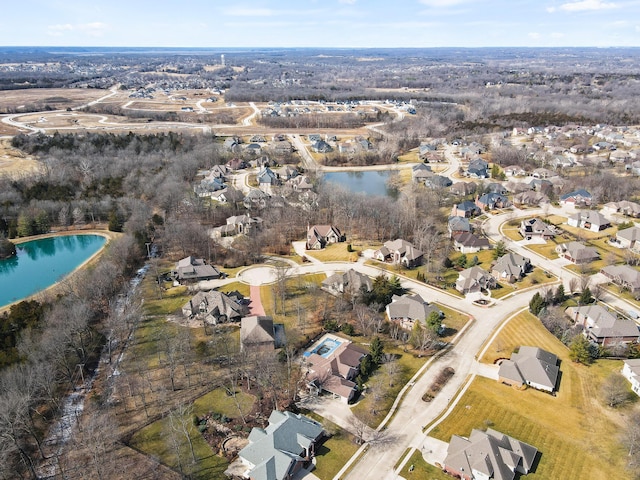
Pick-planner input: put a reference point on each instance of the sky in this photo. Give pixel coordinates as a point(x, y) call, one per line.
point(321, 23)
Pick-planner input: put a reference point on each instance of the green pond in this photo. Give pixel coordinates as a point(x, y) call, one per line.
point(41, 263)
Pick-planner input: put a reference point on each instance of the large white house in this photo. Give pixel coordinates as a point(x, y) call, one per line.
point(631, 371)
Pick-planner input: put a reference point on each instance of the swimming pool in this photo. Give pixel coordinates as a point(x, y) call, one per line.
point(324, 348)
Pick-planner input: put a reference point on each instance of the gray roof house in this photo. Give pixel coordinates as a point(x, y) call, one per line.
point(530, 366)
point(259, 333)
point(466, 209)
point(492, 200)
point(399, 251)
point(470, 243)
point(577, 253)
point(438, 181)
point(408, 309)
point(191, 269)
point(279, 451)
point(350, 282)
point(535, 228)
point(267, 176)
point(486, 455)
point(623, 275)
point(456, 225)
point(602, 326)
point(625, 207)
point(529, 197)
point(215, 307)
point(589, 220)
point(464, 188)
point(421, 172)
point(319, 236)
point(474, 279)
point(511, 267)
point(628, 238)
point(578, 197)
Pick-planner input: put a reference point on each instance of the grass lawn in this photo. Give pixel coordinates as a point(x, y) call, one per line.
point(485, 258)
point(421, 469)
point(410, 157)
point(219, 402)
point(336, 252)
point(334, 452)
point(547, 250)
point(512, 233)
point(569, 429)
point(454, 321)
point(155, 441)
point(243, 288)
point(449, 276)
point(588, 234)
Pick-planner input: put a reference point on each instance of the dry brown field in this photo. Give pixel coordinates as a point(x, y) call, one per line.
point(58, 98)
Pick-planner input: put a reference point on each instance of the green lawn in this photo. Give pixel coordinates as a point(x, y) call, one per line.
point(218, 401)
point(588, 234)
point(172, 300)
point(155, 441)
point(547, 250)
point(336, 252)
point(334, 452)
point(512, 233)
point(569, 429)
point(421, 469)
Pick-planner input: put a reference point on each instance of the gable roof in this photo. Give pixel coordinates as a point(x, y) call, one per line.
point(412, 307)
point(578, 251)
point(405, 249)
point(631, 234)
point(591, 216)
point(624, 274)
point(577, 194)
point(215, 304)
point(275, 449)
point(491, 453)
point(191, 268)
point(467, 239)
point(256, 330)
point(459, 224)
point(349, 280)
point(531, 365)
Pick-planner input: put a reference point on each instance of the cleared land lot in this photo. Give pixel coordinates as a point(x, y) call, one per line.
point(57, 98)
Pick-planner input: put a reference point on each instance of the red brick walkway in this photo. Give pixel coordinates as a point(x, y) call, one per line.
point(256, 302)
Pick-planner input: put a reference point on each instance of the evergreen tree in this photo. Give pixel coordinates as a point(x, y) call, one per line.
point(461, 261)
point(499, 250)
point(434, 322)
point(580, 350)
point(560, 294)
point(585, 297)
point(537, 304)
point(376, 350)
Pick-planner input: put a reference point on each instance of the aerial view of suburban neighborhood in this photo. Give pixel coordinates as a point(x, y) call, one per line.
point(414, 262)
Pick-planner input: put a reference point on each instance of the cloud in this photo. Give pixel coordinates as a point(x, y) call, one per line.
point(93, 29)
point(442, 3)
point(348, 2)
point(248, 12)
point(584, 5)
point(534, 35)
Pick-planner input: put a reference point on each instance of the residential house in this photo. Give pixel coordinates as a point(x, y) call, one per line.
point(218, 171)
point(492, 201)
point(511, 267)
point(257, 139)
point(320, 146)
point(531, 198)
point(266, 176)
point(542, 173)
point(629, 238)
point(237, 164)
point(408, 309)
point(457, 225)
point(604, 327)
point(207, 188)
point(515, 171)
point(631, 371)
point(287, 172)
point(625, 207)
point(281, 450)
point(478, 169)
point(464, 188)
point(228, 195)
point(256, 199)
point(237, 225)
point(349, 282)
point(577, 198)
point(215, 307)
point(466, 209)
point(301, 183)
point(336, 371)
point(399, 251)
point(314, 137)
point(282, 147)
point(474, 279)
point(232, 144)
point(468, 242)
point(438, 181)
point(258, 334)
point(425, 149)
point(623, 275)
point(577, 252)
point(531, 366)
point(535, 228)
point(486, 455)
point(541, 185)
point(495, 187)
point(253, 149)
point(589, 220)
point(319, 236)
point(421, 172)
point(191, 269)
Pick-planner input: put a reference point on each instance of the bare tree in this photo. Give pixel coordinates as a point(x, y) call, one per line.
point(614, 390)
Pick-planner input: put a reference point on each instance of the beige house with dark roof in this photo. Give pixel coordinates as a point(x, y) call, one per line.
point(214, 307)
point(259, 333)
point(623, 275)
point(319, 236)
point(191, 269)
point(399, 251)
point(474, 279)
point(408, 309)
point(577, 252)
point(488, 455)
point(349, 282)
point(602, 326)
point(531, 366)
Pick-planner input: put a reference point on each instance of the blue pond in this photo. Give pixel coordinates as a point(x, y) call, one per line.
point(41, 263)
point(370, 182)
point(324, 349)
